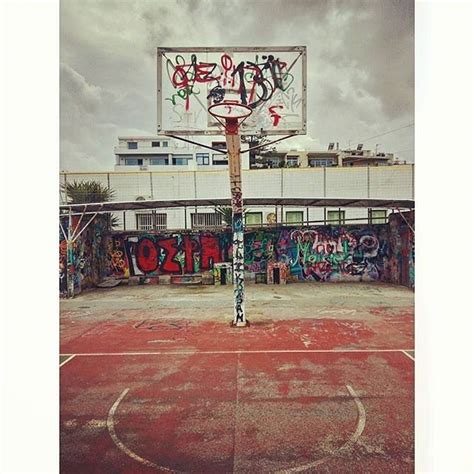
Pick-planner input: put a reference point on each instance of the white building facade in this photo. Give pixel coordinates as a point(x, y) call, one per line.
point(161, 154)
point(182, 182)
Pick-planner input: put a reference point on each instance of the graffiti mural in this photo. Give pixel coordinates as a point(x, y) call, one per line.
point(85, 259)
point(383, 252)
point(318, 253)
point(276, 273)
point(399, 264)
point(222, 273)
point(160, 254)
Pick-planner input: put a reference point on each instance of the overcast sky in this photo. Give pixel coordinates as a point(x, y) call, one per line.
point(360, 67)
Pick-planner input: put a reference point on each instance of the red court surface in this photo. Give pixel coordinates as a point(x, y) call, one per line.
point(144, 393)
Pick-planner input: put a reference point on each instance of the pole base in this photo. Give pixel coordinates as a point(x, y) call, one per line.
point(240, 324)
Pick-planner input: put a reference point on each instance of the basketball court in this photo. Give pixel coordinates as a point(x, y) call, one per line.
point(304, 377)
point(155, 379)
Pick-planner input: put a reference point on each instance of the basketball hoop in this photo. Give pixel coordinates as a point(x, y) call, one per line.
point(230, 114)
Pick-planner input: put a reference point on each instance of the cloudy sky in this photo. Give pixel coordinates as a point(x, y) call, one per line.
point(360, 67)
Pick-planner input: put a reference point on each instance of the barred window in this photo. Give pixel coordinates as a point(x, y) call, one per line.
point(316, 163)
point(206, 219)
point(151, 221)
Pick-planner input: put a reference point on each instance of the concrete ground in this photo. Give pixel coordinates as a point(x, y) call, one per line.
point(154, 379)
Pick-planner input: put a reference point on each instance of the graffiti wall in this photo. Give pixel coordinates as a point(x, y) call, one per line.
point(400, 259)
point(86, 256)
point(355, 253)
point(383, 252)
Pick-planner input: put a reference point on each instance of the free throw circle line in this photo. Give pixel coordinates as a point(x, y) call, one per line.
point(120, 444)
point(352, 440)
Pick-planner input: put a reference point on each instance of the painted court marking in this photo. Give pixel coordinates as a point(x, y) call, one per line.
point(269, 351)
point(351, 441)
point(67, 360)
point(119, 444)
point(408, 355)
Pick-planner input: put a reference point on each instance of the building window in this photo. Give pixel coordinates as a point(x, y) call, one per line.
point(275, 162)
point(292, 161)
point(315, 163)
point(294, 217)
point(253, 218)
point(155, 144)
point(181, 160)
point(202, 158)
point(219, 145)
point(132, 145)
point(336, 217)
point(206, 219)
point(219, 159)
point(133, 161)
point(159, 160)
point(165, 144)
point(151, 221)
point(377, 216)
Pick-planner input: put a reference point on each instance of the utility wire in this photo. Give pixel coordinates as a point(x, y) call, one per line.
point(401, 151)
point(385, 133)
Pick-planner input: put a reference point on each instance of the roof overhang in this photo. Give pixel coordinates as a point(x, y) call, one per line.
point(116, 206)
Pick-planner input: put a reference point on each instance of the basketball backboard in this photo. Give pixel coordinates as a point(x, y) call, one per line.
point(269, 80)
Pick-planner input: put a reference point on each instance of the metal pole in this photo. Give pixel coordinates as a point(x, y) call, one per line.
point(368, 182)
point(70, 259)
point(235, 173)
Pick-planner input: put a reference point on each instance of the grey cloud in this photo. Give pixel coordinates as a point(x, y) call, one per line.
point(360, 64)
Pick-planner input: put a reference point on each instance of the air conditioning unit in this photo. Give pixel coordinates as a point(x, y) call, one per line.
point(143, 167)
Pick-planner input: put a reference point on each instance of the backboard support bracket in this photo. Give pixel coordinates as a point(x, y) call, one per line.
point(217, 150)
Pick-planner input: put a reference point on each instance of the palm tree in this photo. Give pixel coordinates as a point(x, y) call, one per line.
point(226, 213)
point(84, 192)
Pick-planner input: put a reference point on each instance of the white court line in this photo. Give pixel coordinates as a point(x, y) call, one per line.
point(270, 351)
point(352, 440)
point(67, 360)
point(120, 445)
point(236, 412)
point(408, 355)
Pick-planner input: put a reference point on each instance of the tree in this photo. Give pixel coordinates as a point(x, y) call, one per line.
point(226, 213)
point(84, 192)
point(256, 140)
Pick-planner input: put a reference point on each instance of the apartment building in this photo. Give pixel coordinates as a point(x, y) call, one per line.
point(167, 154)
point(325, 158)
